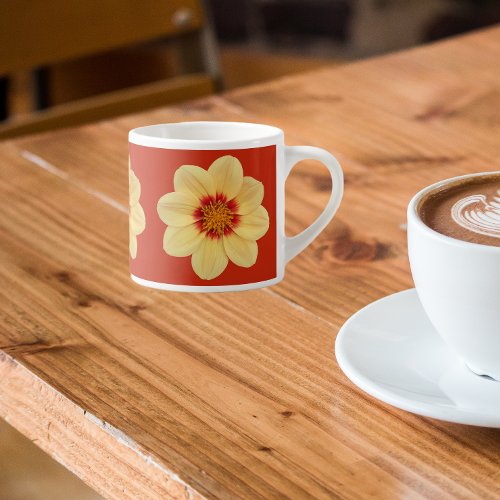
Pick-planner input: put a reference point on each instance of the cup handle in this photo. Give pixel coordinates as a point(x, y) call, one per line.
point(294, 154)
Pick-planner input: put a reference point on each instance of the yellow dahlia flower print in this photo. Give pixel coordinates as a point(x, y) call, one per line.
point(137, 219)
point(214, 216)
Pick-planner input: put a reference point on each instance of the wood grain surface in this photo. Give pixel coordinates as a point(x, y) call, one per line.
point(147, 394)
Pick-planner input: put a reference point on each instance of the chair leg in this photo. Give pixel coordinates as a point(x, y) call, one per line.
point(41, 88)
point(199, 53)
point(210, 50)
point(4, 104)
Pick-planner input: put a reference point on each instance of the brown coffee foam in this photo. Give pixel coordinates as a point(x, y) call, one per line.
point(435, 208)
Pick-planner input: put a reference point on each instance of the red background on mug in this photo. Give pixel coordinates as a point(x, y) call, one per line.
point(155, 169)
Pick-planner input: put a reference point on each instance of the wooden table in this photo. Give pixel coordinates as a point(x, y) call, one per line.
point(148, 394)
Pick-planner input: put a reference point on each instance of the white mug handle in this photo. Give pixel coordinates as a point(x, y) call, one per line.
point(294, 154)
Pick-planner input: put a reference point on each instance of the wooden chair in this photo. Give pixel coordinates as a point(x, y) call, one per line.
point(35, 34)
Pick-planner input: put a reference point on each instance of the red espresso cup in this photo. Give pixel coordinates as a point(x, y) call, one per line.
point(207, 204)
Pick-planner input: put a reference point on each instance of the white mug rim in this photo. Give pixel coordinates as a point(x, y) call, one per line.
point(415, 218)
point(253, 135)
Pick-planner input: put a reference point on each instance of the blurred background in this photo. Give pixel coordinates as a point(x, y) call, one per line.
point(68, 62)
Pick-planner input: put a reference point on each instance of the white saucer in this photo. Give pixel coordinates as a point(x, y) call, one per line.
point(391, 351)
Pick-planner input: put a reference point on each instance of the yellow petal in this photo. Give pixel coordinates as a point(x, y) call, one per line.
point(182, 241)
point(177, 209)
point(133, 245)
point(250, 196)
point(134, 187)
point(254, 225)
point(227, 173)
point(210, 260)
point(195, 181)
point(137, 219)
point(242, 252)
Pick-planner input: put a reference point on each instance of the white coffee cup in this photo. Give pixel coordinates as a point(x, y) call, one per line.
point(458, 284)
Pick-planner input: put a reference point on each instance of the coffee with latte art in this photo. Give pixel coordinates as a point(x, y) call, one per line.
point(467, 210)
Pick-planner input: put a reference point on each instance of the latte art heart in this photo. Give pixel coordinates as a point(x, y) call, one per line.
point(475, 213)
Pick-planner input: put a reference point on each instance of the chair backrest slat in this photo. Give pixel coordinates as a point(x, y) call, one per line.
point(35, 33)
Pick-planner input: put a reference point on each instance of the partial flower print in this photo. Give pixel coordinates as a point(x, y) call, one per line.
point(137, 219)
point(214, 215)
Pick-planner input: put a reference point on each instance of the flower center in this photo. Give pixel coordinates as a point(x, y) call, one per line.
point(217, 217)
